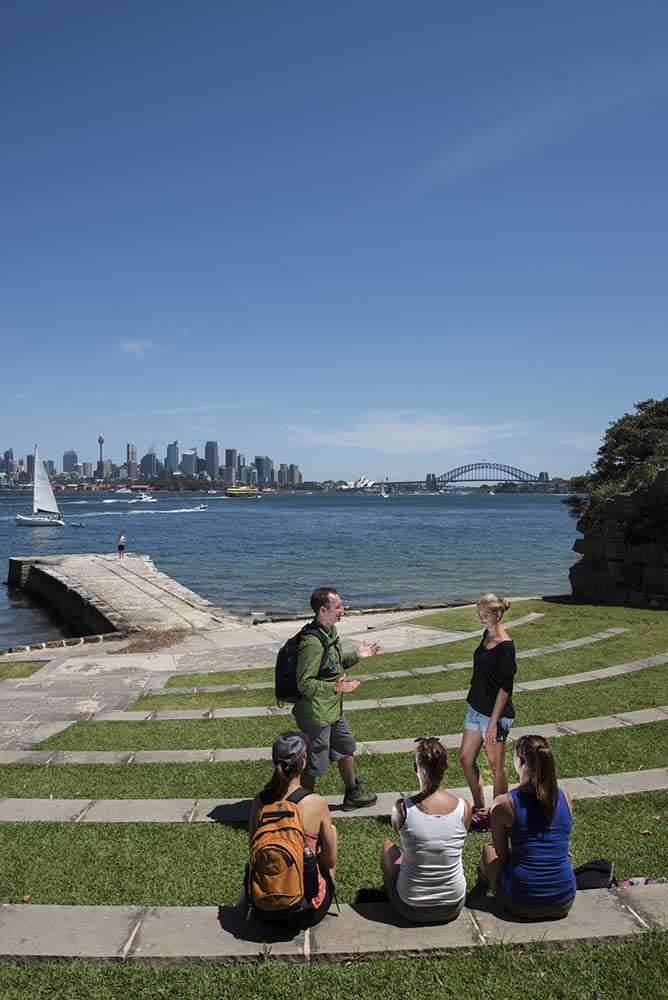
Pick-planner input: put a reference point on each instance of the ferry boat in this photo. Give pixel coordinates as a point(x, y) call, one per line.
point(248, 492)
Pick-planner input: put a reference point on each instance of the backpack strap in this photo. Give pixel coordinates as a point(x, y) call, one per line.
point(314, 629)
point(298, 795)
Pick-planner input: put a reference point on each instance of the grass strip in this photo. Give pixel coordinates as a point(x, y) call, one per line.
point(647, 634)
point(645, 689)
point(24, 668)
point(152, 864)
point(535, 973)
point(604, 752)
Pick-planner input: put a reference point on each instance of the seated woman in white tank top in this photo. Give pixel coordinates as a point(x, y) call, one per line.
point(425, 880)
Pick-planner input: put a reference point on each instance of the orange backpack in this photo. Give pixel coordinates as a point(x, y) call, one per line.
point(277, 885)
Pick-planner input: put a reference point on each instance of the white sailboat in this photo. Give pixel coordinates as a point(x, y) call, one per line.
point(45, 511)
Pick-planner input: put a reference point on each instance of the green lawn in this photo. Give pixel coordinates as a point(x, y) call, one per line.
point(24, 668)
point(184, 865)
point(630, 749)
point(644, 689)
point(532, 972)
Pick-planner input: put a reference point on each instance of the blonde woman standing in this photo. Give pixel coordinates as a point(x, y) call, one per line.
point(490, 712)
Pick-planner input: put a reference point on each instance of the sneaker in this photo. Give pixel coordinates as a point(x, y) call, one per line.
point(481, 822)
point(357, 798)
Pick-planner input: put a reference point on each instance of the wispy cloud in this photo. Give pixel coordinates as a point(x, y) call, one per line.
point(189, 409)
point(529, 130)
point(137, 348)
point(407, 433)
point(587, 443)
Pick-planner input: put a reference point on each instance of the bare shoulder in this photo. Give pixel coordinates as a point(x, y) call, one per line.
point(503, 808)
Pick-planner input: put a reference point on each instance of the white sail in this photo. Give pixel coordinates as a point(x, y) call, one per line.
point(43, 500)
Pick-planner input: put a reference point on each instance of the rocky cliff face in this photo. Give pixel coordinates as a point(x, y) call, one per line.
point(625, 549)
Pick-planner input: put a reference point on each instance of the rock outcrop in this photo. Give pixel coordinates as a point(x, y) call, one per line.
point(625, 549)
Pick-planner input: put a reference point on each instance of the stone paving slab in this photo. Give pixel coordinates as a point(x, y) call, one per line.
point(397, 702)
point(138, 811)
point(633, 781)
point(222, 934)
point(596, 917)
point(40, 810)
point(208, 934)
point(237, 810)
point(66, 932)
point(650, 902)
point(374, 929)
point(452, 740)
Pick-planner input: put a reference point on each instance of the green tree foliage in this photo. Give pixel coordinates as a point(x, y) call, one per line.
point(634, 448)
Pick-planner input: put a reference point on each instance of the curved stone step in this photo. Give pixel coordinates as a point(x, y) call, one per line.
point(223, 934)
point(548, 729)
point(438, 697)
point(17, 810)
point(394, 674)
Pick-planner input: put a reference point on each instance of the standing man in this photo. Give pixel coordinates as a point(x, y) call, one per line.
point(319, 711)
point(120, 542)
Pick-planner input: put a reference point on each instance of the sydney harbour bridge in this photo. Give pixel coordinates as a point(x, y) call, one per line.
point(478, 472)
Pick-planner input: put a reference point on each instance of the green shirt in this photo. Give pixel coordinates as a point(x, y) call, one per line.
point(320, 704)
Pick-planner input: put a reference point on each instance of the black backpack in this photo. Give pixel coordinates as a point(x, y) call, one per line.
point(286, 663)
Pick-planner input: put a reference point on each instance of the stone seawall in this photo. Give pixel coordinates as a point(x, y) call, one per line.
point(98, 594)
point(625, 549)
point(80, 608)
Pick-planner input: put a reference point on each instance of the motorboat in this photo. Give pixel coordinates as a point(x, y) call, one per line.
point(45, 513)
point(144, 498)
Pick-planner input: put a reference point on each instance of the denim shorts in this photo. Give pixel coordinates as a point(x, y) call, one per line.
point(475, 720)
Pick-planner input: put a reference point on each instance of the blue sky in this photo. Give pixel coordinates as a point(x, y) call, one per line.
point(368, 238)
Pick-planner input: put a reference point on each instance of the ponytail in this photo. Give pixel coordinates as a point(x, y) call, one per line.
point(283, 774)
point(538, 756)
point(431, 763)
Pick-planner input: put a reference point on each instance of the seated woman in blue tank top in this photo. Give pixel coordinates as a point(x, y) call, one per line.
point(528, 867)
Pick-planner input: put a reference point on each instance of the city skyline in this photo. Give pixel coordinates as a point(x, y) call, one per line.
point(377, 240)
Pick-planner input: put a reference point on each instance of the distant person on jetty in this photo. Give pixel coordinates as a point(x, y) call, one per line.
point(490, 713)
point(321, 685)
point(425, 880)
point(533, 879)
point(120, 542)
point(289, 757)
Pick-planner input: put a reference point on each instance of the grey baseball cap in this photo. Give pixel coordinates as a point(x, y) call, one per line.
point(288, 748)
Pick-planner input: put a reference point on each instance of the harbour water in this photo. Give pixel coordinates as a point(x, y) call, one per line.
point(266, 555)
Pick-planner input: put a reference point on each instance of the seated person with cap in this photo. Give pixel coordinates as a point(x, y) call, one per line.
point(285, 790)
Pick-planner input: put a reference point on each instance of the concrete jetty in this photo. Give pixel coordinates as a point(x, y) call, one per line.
point(104, 594)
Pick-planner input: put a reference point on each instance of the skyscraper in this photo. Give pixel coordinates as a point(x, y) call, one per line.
point(211, 458)
point(130, 453)
point(172, 460)
point(265, 470)
point(149, 464)
point(294, 475)
point(30, 466)
point(189, 462)
point(230, 466)
point(70, 460)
